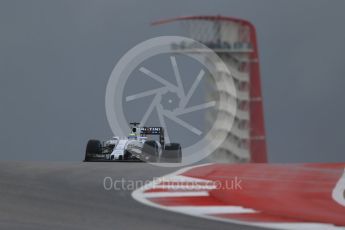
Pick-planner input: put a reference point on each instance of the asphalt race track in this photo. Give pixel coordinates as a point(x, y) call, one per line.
point(60, 195)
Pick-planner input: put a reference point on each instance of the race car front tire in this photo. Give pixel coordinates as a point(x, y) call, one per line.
point(150, 149)
point(93, 148)
point(126, 156)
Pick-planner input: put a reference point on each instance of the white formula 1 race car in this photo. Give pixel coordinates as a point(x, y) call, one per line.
point(138, 146)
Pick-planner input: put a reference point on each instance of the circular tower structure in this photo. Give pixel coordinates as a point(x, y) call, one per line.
point(234, 40)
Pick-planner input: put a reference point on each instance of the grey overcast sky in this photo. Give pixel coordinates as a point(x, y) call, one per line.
point(56, 57)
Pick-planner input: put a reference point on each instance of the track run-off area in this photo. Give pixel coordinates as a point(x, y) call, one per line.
point(65, 195)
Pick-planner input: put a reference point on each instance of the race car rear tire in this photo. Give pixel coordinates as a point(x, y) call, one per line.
point(172, 153)
point(93, 147)
point(150, 149)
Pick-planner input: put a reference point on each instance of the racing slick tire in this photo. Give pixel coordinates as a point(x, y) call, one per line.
point(172, 153)
point(93, 148)
point(126, 156)
point(150, 150)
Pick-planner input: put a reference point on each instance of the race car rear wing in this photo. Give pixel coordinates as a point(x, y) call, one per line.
point(144, 131)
